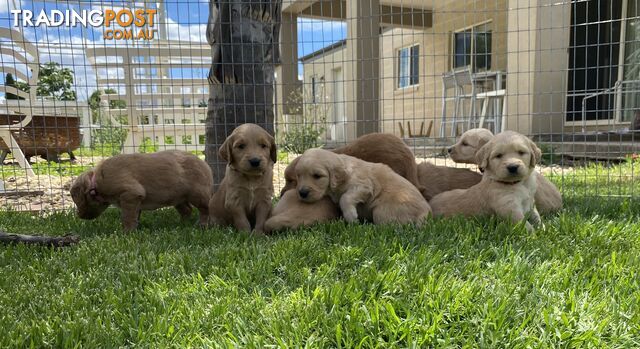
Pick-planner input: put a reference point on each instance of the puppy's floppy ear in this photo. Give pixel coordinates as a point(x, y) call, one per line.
point(225, 150)
point(536, 153)
point(484, 139)
point(337, 175)
point(482, 156)
point(83, 182)
point(274, 149)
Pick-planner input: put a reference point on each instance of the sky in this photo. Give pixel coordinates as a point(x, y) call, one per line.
point(186, 21)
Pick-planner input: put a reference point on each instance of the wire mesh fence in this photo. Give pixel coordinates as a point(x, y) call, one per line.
point(85, 80)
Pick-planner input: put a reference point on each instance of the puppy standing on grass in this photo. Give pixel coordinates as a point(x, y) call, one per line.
point(381, 194)
point(548, 197)
point(508, 186)
point(244, 196)
point(136, 182)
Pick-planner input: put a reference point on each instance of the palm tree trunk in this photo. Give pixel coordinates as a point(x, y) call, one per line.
point(244, 36)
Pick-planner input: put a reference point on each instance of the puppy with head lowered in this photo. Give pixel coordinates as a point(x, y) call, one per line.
point(136, 182)
point(243, 199)
point(548, 197)
point(357, 186)
point(508, 185)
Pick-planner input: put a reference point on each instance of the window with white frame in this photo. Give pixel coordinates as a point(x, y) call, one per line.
point(472, 47)
point(408, 66)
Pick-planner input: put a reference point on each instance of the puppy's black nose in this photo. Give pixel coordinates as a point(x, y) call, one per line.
point(449, 150)
point(255, 162)
point(304, 192)
point(513, 168)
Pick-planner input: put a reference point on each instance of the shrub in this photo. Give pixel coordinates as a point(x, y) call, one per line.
point(305, 134)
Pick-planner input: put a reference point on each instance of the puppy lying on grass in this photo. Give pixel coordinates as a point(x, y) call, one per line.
point(136, 182)
point(548, 197)
point(374, 190)
point(291, 212)
point(437, 179)
point(508, 185)
point(382, 148)
point(244, 196)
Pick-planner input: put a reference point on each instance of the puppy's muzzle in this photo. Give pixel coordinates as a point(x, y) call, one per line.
point(255, 162)
point(303, 192)
point(513, 169)
point(450, 150)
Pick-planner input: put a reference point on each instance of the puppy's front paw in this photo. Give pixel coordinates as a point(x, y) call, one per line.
point(529, 227)
point(258, 232)
point(350, 215)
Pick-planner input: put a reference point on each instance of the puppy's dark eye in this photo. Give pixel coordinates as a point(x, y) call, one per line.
point(498, 156)
point(465, 144)
point(522, 153)
point(263, 146)
point(317, 176)
point(241, 146)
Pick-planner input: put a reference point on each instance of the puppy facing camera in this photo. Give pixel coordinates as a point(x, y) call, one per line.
point(362, 189)
point(243, 199)
point(548, 197)
point(507, 188)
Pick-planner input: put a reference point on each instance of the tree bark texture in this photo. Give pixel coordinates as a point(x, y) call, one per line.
point(244, 36)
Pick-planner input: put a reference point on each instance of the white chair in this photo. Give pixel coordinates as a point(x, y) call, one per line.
point(497, 98)
point(24, 53)
point(459, 81)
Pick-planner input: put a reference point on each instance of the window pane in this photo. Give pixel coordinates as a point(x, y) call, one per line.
point(403, 67)
point(483, 50)
point(415, 63)
point(462, 49)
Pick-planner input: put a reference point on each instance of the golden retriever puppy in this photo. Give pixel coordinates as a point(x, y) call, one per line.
point(243, 199)
point(507, 188)
point(548, 197)
point(136, 182)
point(375, 190)
point(380, 148)
point(437, 179)
point(292, 213)
point(464, 151)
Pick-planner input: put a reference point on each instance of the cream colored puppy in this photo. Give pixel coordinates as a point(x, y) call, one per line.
point(507, 188)
point(373, 190)
point(548, 197)
point(464, 151)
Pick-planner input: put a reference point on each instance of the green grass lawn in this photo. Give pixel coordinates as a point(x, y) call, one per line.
point(452, 283)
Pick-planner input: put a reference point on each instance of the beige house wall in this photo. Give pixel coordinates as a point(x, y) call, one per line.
point(529, 42)
point(323, 68)
point(423, 102)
